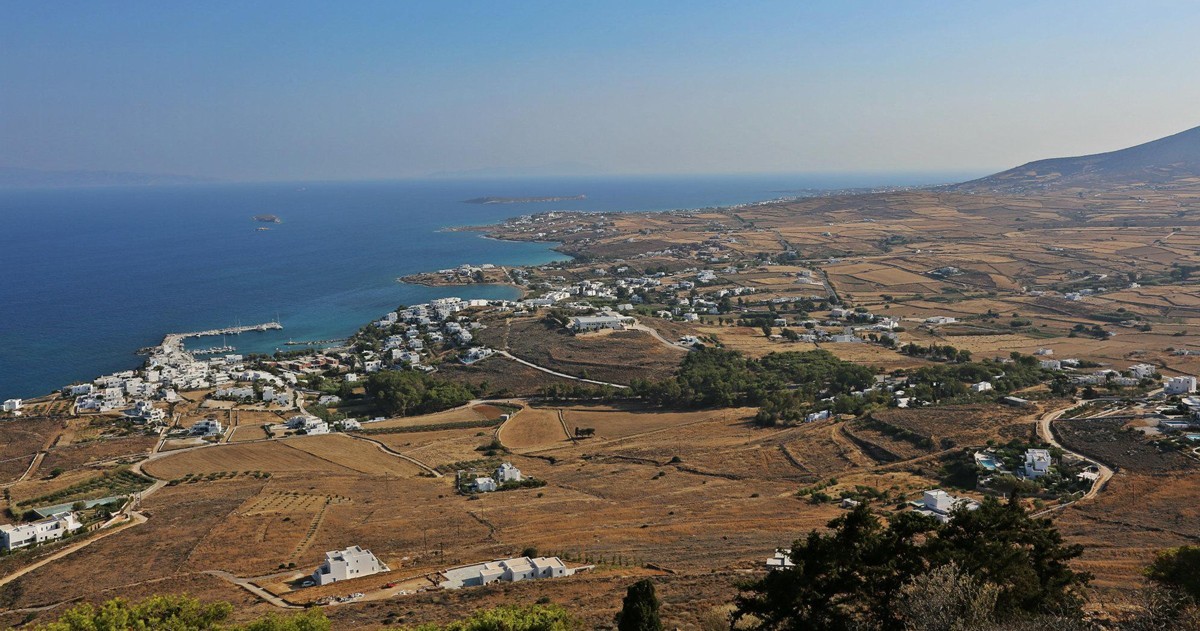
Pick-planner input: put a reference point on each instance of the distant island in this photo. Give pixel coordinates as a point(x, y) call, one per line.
point(522, 200)
point(267, 218)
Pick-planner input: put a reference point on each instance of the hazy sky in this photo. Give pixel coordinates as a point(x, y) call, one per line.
point(336, 90)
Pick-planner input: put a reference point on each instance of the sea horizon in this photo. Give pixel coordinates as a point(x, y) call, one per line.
point(99, 272)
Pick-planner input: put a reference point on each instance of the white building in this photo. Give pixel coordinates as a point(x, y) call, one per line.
point(485, 485)
point(781, 559)
point(816, 416)
point(1143, 371)
point(12, 405)
point(341, 565)
point(54, 527)
point(310, 425)
point(938, 504)
point(508, 570)
point(208, 427)
point(982, 386)
point(1037, 463)
point(145, 412)
point(507, 473)
point(597, 323)
point(1180, 385)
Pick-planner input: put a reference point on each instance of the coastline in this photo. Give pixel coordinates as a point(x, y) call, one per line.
point(334, 306)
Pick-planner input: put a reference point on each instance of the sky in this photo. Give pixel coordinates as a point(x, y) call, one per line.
point(302, 90)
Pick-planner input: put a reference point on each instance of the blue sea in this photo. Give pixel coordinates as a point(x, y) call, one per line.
point(90, 275)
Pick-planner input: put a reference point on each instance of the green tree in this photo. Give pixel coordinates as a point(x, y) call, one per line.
point(513, 618)
point(639, 609)
point(1178, 569)
point(861, 573)
point(169, 613)
point(1025, 556)
point(175, 613)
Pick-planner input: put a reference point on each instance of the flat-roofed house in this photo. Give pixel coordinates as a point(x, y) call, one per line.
point(53, 527)
point(507, 570)
point(353, 562)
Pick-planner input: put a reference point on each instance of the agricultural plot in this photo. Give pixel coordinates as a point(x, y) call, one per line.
point(534, 428)
point(1110, 441)
point(952, 425)
point(618, 357)
point(448, 417)
point(612, 422)
point(353, 454)
point(20, 441)
point(97, 451)
point(272, 457)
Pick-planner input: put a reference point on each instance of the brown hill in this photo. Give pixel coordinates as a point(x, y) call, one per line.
point(1170, 161)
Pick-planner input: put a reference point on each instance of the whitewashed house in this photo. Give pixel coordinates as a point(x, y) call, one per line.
point(12, 405)
point(938, 504)
point(310, 425)
point(1037, 463)
point(1180, 385)
point(597, 323)
point(341, 565)
point(506, 472)
point(145, 412)
point(781, 559)
point(508, 570)
point(485, 485)
point(54, 527)
point(1143, 371)
point(982, 386)
point(208, 427)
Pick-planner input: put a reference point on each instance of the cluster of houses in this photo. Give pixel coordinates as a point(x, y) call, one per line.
point(34, 533)
point(171, 368)
point(419, 330)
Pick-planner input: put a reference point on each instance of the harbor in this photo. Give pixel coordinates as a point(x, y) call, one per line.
point(175, 340)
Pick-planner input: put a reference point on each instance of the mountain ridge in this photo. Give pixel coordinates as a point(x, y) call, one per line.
point(1166, 161)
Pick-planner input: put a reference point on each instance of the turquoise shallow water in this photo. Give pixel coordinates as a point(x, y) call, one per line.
point(87, 276)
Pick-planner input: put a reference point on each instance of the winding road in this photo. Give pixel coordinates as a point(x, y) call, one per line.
point(1046, 433)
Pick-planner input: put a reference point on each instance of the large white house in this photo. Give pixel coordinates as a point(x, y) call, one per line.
point(506, 472)
point(208, 427)
point(353, 562)
point(1180, 385)
point(54, 527)
point(938, 504)
point(509, 570)
point(582, 324)
point(1037, 463)
point(12, 405)
point(310, 425)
